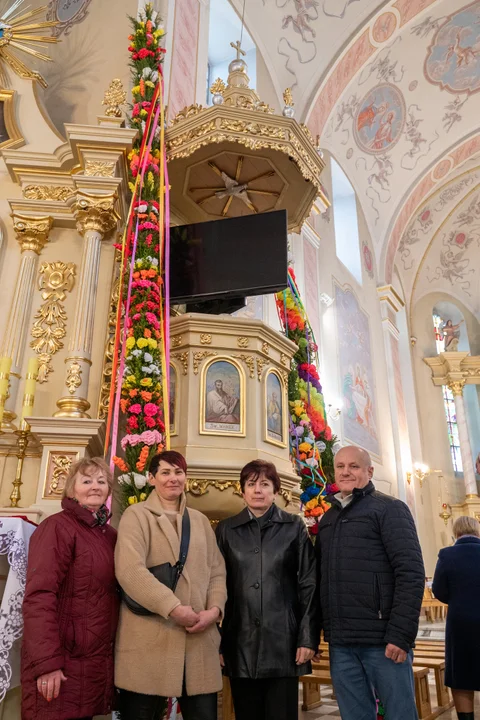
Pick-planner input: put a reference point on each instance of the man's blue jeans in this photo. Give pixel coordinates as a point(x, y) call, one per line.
point(359, 671)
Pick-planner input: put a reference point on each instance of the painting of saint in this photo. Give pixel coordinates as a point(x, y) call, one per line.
point(380, 119)
point(451, 334)
point(275, 416)
point(172, 401)
point(222, 403)
point(356, 370)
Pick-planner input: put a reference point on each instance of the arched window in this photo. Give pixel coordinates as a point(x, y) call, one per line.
point(226, 27)
point(346, 222)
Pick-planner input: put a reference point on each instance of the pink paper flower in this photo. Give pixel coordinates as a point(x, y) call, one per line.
point(135, 409)
point(150, 409)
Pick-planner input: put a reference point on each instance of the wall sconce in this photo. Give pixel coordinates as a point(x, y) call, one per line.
point(335, 413)
point(446, 513)
point(420, 472)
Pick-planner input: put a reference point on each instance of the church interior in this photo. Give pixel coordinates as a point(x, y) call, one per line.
point(354, 125)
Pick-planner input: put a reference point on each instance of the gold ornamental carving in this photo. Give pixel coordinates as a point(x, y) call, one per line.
point(96, 212)
point(205, 339)
point(32, 232)
point(104, 401)
point(50, 320)
point(286, 495)
point(265, 348)
point(114, 99)
point(183, 359)
point(74, 377)
point(243, 342)
point(261, 364)
point(98, 168)
point(249, 361)
point(201, 487)
point(60, 193)
point(186, 113)
point(284, 359)
point(456, 386)
point(218, 87)
point(199, 356)
point(176, 341)
point(58, 468)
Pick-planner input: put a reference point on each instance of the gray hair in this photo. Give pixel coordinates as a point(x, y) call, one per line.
point(466, 525)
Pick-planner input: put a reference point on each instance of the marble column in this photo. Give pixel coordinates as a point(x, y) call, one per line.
point(96, 217)
point(32, 234)
point(456, 386)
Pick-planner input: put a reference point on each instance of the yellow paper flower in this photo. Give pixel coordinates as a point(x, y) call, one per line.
point(131, 378)
point(142, 342)
point(304, 447)
point(146, 382)
point(143, 496)
point(311, 504)
point(153, 343)
point(130, 343)
point(132, 500)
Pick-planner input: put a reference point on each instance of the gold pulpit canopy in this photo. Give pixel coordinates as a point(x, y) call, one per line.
point(239, 158)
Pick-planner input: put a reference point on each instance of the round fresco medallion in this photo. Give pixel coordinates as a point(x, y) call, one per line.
point(453, 58)
point(413, 85)
point(380, 119)
point(349, 153)
point(367, 259)
point(384, 27)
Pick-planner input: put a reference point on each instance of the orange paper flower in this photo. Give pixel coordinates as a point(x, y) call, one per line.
point(120, 464)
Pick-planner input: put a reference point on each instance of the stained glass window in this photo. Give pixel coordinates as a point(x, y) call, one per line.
point(448, 401)
point(454, 441)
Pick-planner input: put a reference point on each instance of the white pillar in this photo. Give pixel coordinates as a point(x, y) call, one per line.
point(32, 235)
point(96, 217)
point(456, 387)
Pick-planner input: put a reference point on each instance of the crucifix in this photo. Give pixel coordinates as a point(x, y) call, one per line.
point(238, 47)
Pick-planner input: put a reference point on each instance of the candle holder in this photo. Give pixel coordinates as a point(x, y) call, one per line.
point(22, 442)
point(445, 514)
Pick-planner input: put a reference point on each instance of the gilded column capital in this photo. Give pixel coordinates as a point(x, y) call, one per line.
point(95, 212)
point(32, 232)
point(456, 385)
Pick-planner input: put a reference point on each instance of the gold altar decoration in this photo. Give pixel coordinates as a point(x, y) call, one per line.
point(23, 432)
point(13, 137)
point(115, 97)
point(19, 33)
point(48, 192)
point(239, 158)
point(74, 377)
point(58, 467)
point(32, 232)
point(201, 487)
point(96, 213)
point(50, 320)
point(104, 401)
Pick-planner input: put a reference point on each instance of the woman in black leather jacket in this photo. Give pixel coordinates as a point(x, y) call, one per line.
point(270, 631)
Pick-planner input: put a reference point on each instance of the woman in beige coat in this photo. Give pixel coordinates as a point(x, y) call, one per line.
point(175, 651)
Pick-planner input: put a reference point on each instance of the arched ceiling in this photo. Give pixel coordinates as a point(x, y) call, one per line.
point(390, 87)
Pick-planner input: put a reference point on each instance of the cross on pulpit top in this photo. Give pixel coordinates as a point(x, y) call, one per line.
point(238, 47)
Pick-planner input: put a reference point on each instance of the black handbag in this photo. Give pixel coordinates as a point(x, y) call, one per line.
point(165, 573)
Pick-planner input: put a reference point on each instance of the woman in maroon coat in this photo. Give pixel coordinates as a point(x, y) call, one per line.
point(71, 604)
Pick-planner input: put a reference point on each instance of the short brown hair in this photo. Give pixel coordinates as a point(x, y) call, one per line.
point(172, 457)
point(254, 469)
point(466, 525)
point(87, 466)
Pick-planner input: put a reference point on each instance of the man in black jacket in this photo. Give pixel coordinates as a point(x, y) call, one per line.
point(371, 580)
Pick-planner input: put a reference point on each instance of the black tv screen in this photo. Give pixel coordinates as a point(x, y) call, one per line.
point(235, 257)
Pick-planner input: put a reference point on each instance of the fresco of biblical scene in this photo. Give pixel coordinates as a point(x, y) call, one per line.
point(453, 59)
point(275, 410)
point(380, 119)
point(222, 398)
point(356, 372)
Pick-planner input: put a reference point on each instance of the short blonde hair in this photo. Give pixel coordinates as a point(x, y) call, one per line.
point(466, 525)
point(87, 466)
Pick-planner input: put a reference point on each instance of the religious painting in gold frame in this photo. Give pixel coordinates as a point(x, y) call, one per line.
point(173, 400)
point(222, 397)
point(275, 410)
point(10, 135)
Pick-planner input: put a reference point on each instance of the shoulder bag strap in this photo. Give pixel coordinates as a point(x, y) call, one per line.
point(185, 542)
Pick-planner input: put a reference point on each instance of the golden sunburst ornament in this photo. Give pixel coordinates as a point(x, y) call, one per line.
point(18, 32)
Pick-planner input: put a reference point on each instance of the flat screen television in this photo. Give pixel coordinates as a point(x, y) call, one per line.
point(226, 259)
